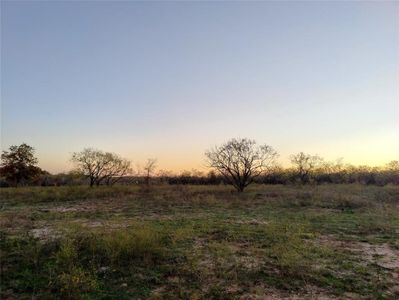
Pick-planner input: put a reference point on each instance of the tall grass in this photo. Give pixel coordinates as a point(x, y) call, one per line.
point(37, 195)
point(72, 266)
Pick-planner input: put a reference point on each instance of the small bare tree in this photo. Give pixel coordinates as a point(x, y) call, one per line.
point(100, 166)
point(240, 161)
point(304, 165)
point(149, 168)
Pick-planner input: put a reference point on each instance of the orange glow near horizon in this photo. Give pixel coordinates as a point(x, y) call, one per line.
point(376, 149)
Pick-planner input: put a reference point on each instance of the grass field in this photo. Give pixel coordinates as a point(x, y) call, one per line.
point(200, 242)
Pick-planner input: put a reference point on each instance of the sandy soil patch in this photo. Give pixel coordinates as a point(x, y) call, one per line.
point(381, 254)
point(265, 293)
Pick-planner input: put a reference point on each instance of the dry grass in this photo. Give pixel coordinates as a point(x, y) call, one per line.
point(200, 242)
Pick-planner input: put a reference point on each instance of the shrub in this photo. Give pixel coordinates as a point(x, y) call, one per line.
point(76, 282)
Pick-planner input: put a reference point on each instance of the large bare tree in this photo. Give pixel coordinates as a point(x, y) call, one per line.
point(101, 167)
point(240, 161)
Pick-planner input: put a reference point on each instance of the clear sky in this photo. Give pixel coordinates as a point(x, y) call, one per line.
point(171, 79)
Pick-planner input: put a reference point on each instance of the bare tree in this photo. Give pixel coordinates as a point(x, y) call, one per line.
point(86, 163)
point(117, 169)
point(240, 161)
point(304, 165)
point(149, 168)
point(100, 166)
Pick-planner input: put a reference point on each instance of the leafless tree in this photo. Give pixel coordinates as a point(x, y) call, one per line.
point(304, 165)
point(117, 169)
point(240, 161)
point(149, 168)
point(100, 166)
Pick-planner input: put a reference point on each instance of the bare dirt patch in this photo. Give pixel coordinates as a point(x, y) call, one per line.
point(381, 254)
point(261, 292)
point(252, 222)
point(44, 233)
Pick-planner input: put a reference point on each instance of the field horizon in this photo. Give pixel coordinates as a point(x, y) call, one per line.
point(195, 150)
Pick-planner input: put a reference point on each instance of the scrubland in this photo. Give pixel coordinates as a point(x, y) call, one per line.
point(200, 242)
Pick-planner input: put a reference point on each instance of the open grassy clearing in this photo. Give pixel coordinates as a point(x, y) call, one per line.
point(200, 242)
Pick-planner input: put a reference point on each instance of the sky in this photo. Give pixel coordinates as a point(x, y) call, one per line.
point(169, 80)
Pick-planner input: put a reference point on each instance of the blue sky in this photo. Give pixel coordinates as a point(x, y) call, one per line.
point(171, 79)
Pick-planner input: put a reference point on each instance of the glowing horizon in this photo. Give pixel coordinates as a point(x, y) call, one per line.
point(180, 161)
point(169, 80)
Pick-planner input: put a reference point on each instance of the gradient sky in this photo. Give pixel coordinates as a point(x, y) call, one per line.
point(171, 79)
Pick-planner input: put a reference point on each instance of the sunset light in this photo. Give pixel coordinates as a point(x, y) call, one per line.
point(192, 149)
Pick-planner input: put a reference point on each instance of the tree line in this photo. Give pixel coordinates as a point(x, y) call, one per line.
point(238, 162)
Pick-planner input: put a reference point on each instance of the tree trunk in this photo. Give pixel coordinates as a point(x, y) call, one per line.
point(240, 188)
